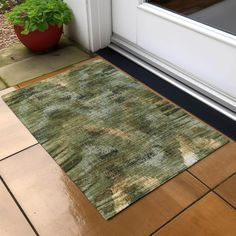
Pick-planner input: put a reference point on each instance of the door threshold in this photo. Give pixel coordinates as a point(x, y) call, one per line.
point(191, 100)
point(151, 61)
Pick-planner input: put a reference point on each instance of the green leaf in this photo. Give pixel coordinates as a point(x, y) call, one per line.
point(43, 26)
point(25, 32)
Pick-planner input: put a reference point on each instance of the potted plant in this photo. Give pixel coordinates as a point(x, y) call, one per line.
point(39, 23)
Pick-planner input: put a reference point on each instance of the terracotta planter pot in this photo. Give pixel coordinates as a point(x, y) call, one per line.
point(38, 41)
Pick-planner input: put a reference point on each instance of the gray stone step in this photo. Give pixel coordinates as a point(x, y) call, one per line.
point(2, 85)
point(18, 52)
point(38, 65)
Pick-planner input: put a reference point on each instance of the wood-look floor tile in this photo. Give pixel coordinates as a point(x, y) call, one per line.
point(216, 167)
point(56, 206)
point(14, 136)
point(209, 216)
point(227, 190)
point(7, 90)
point(12, 221)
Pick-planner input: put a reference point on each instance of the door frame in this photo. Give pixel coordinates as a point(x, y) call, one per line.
point(99, 23)
point(99, 14)
point(91, 26)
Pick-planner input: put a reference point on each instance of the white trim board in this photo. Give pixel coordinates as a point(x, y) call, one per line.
point(99, 23)
point(92, 23)
point(143, 62)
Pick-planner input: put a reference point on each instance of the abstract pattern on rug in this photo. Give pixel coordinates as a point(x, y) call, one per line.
point(114, 137)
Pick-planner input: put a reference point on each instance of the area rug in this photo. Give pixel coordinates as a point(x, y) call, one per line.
point(114, 137)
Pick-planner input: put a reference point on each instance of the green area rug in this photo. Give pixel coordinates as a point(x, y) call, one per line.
point(115, 138)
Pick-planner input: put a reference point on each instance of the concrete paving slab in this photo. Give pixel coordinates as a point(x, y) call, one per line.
point(14, 136)
point(2, 85)
point(12, 221)
point(19, 52)
point(16, 52)
point(38, 65)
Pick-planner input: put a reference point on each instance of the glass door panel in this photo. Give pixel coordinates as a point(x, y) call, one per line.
point(216, 13)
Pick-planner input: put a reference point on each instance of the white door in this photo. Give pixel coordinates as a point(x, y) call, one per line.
point(195, 54)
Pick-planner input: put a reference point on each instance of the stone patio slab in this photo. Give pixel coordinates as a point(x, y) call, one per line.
point(209, 216)
point(38, 65)
point(227, 190)
point(14, 136)
point(19, 52)
point(12, 221)
point(16, 52)
point(2, 85)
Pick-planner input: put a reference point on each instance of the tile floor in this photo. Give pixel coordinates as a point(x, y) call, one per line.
point(14, 136)
point(42, 200)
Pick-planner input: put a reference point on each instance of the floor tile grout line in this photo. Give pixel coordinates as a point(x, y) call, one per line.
point(194, 176)
point(223, 181)
point(210, 189)
point(226, 201)
point(19, 206)
point(3, 159)
point(4, 83)
point(186, 208)
point(216, 186)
